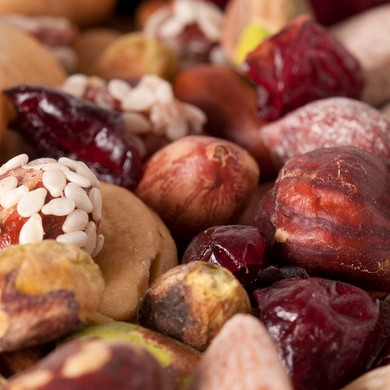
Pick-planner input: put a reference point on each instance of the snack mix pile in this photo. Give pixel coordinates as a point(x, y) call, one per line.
point(194, 195)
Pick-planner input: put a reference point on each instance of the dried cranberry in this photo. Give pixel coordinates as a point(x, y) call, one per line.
point(239, 248)
point(59, 124)
point(328, 12)
point(328, 332)
point(302, 63)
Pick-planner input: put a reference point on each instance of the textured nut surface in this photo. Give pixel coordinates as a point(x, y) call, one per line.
point(48, 289)
point(326, 123)
point(241, 357)
point(191, 302)
point(94, 364)
point(198, 181)
point(329, 212)
point(133, 242)
point(177, 359)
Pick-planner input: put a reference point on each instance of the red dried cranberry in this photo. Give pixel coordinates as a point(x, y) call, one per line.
point(328, 12)
point(239, 248)
point(58, 124)
point(328, 332)
point(302, 63)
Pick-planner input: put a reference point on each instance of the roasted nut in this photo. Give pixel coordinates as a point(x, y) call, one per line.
point(196, 182)
point(94, 364)
point(324, 123)
point(241, 357)
point(247, 22)
point(177, 359)
point(329, 212)
point(136, 250)
point(365, 36)
point(191, 302)
point(230, 103)
point(135, 54)
point(49, 199)
point(48, 289)
point(14, 362)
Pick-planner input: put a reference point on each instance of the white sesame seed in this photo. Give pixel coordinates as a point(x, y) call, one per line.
point(139, 99)
point(7, 184)
point(184, 11)
point(96, 200)
point(118, 88)
point(15, 162)
point(76, 178)
point(31, 202)
point(59, 207)
point(78, 238)
point(99, 245)
point(53, 165)
point(68, 162)
point(75, 84)
point(210, 19)
point(136, 123)
point(171, 28)
point(54, 180)
point(76, 220)
point(84, 170)
point(39, 162)
point(90, 230)
point(32, 230)
point(79, 196)
point(11, 198)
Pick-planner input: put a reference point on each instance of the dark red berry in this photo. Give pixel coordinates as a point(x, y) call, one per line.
point(301, 63)
point(58, 124)
point(239, 248)
point(328, 332)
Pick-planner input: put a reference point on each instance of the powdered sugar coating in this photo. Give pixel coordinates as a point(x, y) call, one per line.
point(325, 123)
point(49, 199)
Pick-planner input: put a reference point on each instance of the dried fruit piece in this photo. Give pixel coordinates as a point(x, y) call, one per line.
point(48, 289)
point(329, 212)
point(196, 182)
point(238, 248)
point(324, 123)
point(50, 199)
point(59, 124)
point(311, 63)
point(191, 302)
point(94, 364)
point(328, 332)
point(177, 359)
point(241, 357)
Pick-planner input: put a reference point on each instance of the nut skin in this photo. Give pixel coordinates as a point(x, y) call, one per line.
point(178, 360)
point(230, 103)
point(329, 212)
point(196, 182)
point(94, 364)
point(48, 289)
point(191, 302)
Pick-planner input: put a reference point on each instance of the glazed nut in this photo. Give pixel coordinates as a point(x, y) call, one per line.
point(191, 302)
point(327, 211)
point(48, 289)
point(89, 364)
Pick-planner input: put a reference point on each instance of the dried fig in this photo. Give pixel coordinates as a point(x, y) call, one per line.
point(329, 212)
point(48, 289)
point(198, 181)
point(191, 302)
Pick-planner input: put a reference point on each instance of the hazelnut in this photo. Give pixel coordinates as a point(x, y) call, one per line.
point(191, 302)
point(198, 181)
point(329, 212)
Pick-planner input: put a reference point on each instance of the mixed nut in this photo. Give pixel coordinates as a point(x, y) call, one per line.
point(194, 195)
